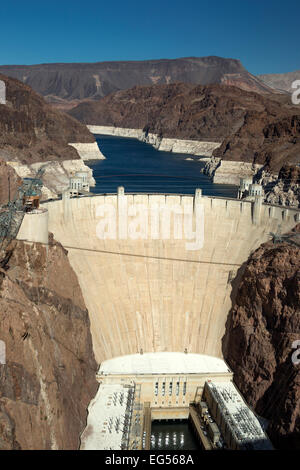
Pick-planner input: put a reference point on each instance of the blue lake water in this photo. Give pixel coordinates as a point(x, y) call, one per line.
point(140, 168)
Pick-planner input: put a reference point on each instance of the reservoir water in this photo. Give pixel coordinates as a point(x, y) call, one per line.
point(141, 168)
point(169, 435)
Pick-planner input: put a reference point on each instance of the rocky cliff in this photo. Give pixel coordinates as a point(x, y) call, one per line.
point(49, 376)
point(67, 84)
point(32, 131)
point(9, 182)
point(260, 331)
point(284, 189)
point(270, 137)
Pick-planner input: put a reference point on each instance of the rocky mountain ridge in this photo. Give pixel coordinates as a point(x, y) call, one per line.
point(66, 84)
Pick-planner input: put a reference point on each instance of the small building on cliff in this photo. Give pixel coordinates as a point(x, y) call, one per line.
point(79, 183)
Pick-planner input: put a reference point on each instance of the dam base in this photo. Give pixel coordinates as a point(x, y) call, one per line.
point(138, 389)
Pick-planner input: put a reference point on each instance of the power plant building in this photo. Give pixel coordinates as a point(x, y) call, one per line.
point(238, 425)
point(79, 183)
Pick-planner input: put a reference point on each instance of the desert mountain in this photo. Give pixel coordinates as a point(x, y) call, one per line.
point(252, 127)
point(67, 83)
point(280, 81)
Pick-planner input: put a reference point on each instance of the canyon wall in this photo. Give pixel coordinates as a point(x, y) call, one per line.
point(48, 378)
point(10, 181)
point(258, 345)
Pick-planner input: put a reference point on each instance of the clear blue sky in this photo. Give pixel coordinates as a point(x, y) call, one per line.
point(263, 34)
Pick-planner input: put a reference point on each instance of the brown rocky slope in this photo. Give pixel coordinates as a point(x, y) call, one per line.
point(49, 376)
point(179, 110)
point(9, 182)
point(252, 128)
point(32, 131)
point(265, 138)
point(261, 328)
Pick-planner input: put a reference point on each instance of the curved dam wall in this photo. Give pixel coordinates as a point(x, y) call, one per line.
point(155, 294)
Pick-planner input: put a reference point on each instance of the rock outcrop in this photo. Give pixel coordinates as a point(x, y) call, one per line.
point(9, 182)
point(285, 189)
point(49, 376)
point(227, 172)
point(89, 151)
point(261, 328)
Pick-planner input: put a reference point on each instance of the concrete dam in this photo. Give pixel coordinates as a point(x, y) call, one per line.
point(153, 293)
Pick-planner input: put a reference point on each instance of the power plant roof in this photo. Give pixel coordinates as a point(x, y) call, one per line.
point(239, 418)
point(163, 363)
point(108, 419)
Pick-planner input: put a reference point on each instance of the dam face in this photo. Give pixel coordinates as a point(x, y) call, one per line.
point(156, 295)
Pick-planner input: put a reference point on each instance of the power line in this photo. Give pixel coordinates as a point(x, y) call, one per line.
point(93, 250)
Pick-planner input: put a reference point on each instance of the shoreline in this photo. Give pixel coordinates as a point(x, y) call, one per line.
point(163, 144)
point(220, 171)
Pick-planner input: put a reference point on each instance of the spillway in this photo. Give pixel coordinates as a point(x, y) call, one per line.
point(155, 295)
